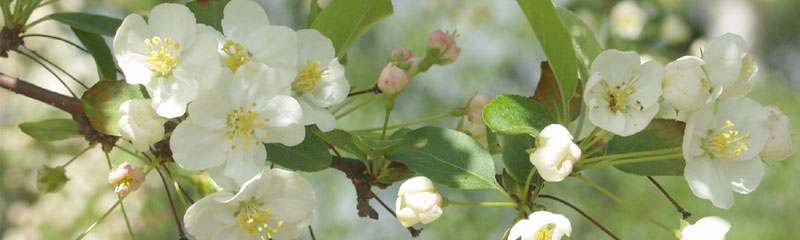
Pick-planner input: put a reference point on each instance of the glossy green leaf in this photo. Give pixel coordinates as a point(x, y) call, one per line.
point(511, 114)
point(447, 157)
point(556, 43)
point(101, 103)
point(91, 23)
point(209, 12)
point(583, 39)
point(660, 134)
point(343, 141)
point(343, 21)
point(51, 129)
point(310, 156)
point(99, 50)
point(515, 155)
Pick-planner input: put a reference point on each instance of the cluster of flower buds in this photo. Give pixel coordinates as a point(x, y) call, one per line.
point(402, 65)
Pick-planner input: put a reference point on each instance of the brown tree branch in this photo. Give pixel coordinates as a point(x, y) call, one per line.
point(65, 103)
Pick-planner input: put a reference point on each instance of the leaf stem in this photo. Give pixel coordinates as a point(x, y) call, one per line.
point(481, 204)
point(453, 113)
point(629, 155)
point(582, 213)
point(684, 214)
point(108, 212)
point(77, 155)
point(623, 204)
point(633, 160)
point(369, 100)
point(179, 225)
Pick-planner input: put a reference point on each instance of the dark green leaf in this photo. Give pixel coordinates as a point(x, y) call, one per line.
point(101, 103)
point(96, 24)
point(515, 155)
point(660, 134)
point(447, 157)
point(209, 12)
point(310, 156)
point(343, 21)
point(100, 52)
point(583, 39)
point(556, 43)
point(51, 129)
point(511, 114)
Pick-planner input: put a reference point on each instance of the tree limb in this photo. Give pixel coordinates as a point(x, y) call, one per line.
point(18, 86)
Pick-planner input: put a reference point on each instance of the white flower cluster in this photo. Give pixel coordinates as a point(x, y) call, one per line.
point(727, 135)
point(251, 84)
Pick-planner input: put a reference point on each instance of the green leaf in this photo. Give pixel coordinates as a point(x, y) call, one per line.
point(343, 21)
point(100, 52)
point(447, 157)
point(101, 103)
point(511, 114)
point(96, 24)
point(583, 39)
point(556, 43)
point(51, 129)
point(310, 156)
point(209, 12)
point(660, 134)
point(341, 140)
point(313, 11)
point(516, 157)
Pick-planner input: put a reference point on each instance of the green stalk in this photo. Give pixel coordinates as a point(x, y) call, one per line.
point(617, 200)
point(481, 204)
point(629, 155)
point(453, 113)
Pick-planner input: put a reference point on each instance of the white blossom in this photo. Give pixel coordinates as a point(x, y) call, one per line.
point(228, 126)
point(728, 65)
point(321, 81)
point(721, 147)
point(275, 204)
point(168, 55)
point(628, 19)
point(707, 228)
point(779, 141)
point(418, 202)
point(622, 94)
point(674, 30)
point(555, 153)
point(541, 225)
point(686, 85)
point(140, 124)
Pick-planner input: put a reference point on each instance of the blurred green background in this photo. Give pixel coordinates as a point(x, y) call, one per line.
point(499, 55)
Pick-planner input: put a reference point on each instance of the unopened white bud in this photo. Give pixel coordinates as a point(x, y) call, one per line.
point(418, 202)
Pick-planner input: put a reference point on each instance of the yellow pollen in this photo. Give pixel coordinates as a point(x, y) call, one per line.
point(618, 96)
point(243, 123)
point(308, 77)
point(546, 232)
point(726, 142)
point(256, 221)
point(237, 55)
point(164, 55)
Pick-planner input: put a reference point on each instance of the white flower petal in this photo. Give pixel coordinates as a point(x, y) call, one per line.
point(648, 85)
point(175, 21)
point(244, 162)
point(289, 135)
point(130, 50)
point(200, 63)
point(723, 57)
point(314, 46)
point(208, 217)
point(407, 217)
point(243, 16)
point(170, 96)
point(196, 148)
point(707, 228)
point(707, 182)
point(323, 118)
point(416, 185)
point(743, 176)
point(264, 82)
point(615, 66)
point(275, 46)
point(282, 111)
point(422, 201)
point(683, 83)
point(332, 88)
point(522, 230)
point(750, 119)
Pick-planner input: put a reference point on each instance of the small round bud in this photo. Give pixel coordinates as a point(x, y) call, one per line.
point(445, 43)
point(140, 124)
point(401, 56)
point(392, 80)
point(126, 178)
point(51, 179)
point(418, 202)
point(555, 154)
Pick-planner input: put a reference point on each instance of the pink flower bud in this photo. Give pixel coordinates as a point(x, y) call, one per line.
point(401, 55)
point(126, 178)
point(392, 80)
point(446, 44)
point(475, 106)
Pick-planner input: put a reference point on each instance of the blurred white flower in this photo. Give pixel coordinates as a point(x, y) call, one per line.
point(541, 225)
point(392, 80)
point(321, 80)
point(779, 142)
point(707, 228)
point(228, 126)
point(674, 30)
point(418, 202)
point(555, 153)
point(140, 124)
point(721, 147)
point(628, 19)
point(126, 178)
point(696, 48)
point(275, 204)
point(622, 94)
point(168, 55)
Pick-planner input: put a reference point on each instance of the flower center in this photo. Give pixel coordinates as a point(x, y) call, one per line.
point(726, 142)
point(308, 77)
point(545, 233)
point(164, 55)
point(618, 96)
point(256, 221)
point(237, 55)
point(243, 123)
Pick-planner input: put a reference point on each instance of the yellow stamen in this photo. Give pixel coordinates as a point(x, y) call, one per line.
point(546, 232)
point(164, 55)
point(308, 77)
point(243, 123)
point(726, 142)
point(618, 96)
point(257, 221)
point(237, 55)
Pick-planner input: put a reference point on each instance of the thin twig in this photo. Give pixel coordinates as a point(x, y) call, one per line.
point(311, 231)
point(181, 233)
point(56, 38)
point(178, 186)
point(413, 231)
point(373, 89)
point(685, 214)
point(595, 222)
point(65, 103)
point(57, 67)
point(51, 72)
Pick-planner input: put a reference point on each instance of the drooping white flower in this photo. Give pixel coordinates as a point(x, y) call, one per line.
point(674, 30)
point(247, 36)
point(721, 147)
point(275, 204)
point(418, 202)
point(555, 153)
point(728, 65)
point(140, 124)
point(628, 19)
point(707, 228)
point(126, 178)
point(622, 94)
point(168, 55)
point(686, 85)
point(321, 81)
point(228, 126)
point(541, 225)
point(779, 141)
